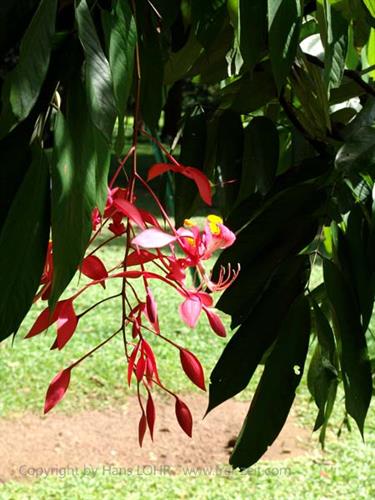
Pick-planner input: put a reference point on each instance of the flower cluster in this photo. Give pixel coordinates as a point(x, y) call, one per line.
point(153, 250)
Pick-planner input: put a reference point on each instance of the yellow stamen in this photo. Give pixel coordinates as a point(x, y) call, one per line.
point(213, 223)
point(214, 219)
point(189, 223)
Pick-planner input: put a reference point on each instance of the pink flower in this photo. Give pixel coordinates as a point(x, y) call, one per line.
point(217, 235)
point(192, 307)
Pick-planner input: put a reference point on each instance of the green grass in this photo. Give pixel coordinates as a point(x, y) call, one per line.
point(344, 471)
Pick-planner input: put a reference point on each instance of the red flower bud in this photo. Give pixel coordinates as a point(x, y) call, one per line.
point(193, 368)
point(184, 417)
point(57, 389)
point(142, 426)
point(150, 412)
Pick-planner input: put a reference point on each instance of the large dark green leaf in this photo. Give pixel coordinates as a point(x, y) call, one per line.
point(247, 346)
point(336, 46)
point(360, 270)
point(193, 147)
point(240, 299)
point(168, 10)
point(212, 63)
point(252, 30)
point(357, 155)
point(102, 164)
point(15, 160)
point(102, 107)
point(249, 92)
point(23, 244)
point(275, 393)
point(356, 370)
point(291, 222)
point(207, 19)
point(365, 118)
point(284, 23)
point(180, 63)
point(152, 71)
point(73, 188)
point(230, 139)
point(261, 156)
point(14, 19)
point(22, 85)
point(123, 37)
point(323, 371)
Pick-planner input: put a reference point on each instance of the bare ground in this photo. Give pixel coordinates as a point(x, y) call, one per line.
point(103, 438)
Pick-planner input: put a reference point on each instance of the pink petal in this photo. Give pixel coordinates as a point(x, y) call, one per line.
point(131, 363)
point(151, 356)
point(128, 274)
point(45, 319)
point(227, 236)
point(139, 257)
point(57, 389)
point(201, 181)
point(140, 369)
point(130, 210)
point(153, 238)
point(158, 169)
point(149, 218)
point(206, 299)
point(93, 268)
point(66, 324)
point(190, 310)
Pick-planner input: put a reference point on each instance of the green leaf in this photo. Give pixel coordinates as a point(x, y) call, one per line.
point(22, 85)
point(213, 63)
point(365, 118)
point(15, 160)
point(275, 393)
point(181, 62)
point(249, 92)
point(102, 107)
point(356, 370)
point(323, 371)
point(168, 10)
point(360, 270)
point(336, 46)
point(152, 71)
point(230, 139)
point(261, 156)
point(284, 23)
point(102, 165)
point(357, 155)
point(291, 222)
point(243, 295)
point(73, 188)
point(14, 19)
point(252, 30)
point(250, 342)
point(23, 244)
point(123, 37)
point(207, 19)
point(193, 147)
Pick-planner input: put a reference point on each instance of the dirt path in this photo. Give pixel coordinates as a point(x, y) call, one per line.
point(109, 438)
